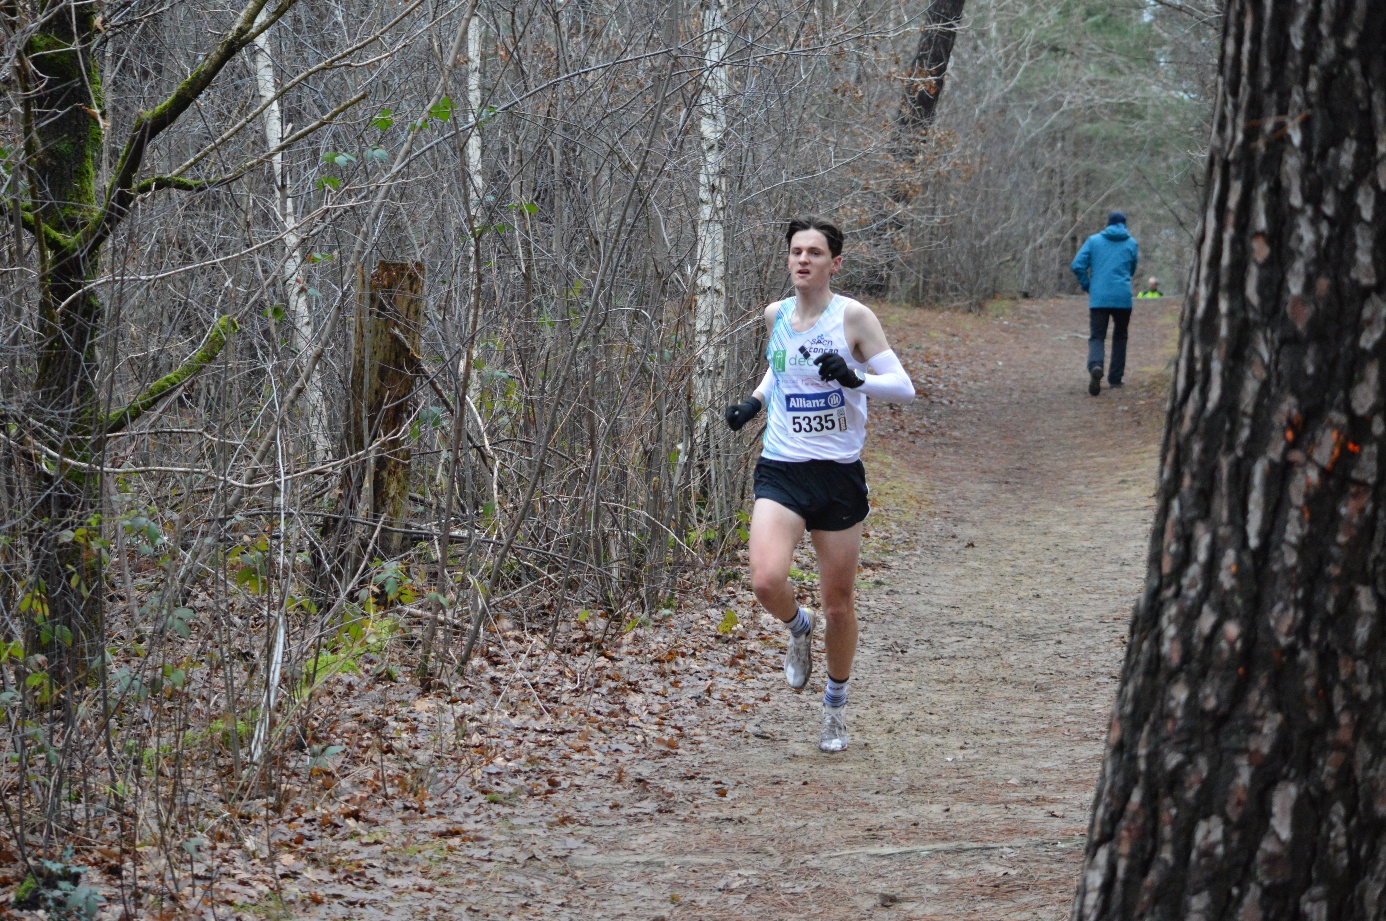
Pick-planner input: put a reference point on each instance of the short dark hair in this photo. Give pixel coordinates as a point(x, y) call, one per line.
point(1116, 217)
point(827, 228)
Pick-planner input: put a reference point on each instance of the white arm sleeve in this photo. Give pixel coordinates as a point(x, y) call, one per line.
point(764, 386)
point(886, 379)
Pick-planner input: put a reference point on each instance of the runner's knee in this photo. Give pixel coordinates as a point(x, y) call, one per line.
point(768, 581)
point(840, 608)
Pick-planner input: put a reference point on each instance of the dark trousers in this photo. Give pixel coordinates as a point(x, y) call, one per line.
point(1097, 335)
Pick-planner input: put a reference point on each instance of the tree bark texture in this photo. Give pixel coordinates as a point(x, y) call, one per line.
point(710, 272)
point(63, 136)
point(923, 85)
point(924, 82)
point(1245, 773)
point(385, 364)
point(291, 269)
point(63, 128)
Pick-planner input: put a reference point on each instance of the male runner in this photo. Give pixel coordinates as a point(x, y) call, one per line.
point(827, 355)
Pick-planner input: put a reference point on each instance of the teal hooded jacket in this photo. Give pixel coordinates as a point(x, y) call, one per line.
point(1104, 267)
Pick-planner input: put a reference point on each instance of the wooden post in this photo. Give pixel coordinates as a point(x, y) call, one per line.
point(385, 364)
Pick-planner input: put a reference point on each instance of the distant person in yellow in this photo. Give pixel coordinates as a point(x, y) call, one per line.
point(1152, 288)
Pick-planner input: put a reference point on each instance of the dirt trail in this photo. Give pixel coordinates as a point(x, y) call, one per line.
point(1007, 545)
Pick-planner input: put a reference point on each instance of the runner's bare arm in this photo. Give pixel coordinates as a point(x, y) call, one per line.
point(886, 378)
point(763, 387)
point(864, 332)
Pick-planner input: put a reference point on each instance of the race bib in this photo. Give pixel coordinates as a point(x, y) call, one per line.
point(815, 415)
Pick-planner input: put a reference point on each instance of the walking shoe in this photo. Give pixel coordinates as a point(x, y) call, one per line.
point(834, 735)
point(798, 658)
point(1095, 385)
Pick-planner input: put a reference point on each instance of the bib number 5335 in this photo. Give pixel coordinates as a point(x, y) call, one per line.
point(813, 423)
point(816, 415)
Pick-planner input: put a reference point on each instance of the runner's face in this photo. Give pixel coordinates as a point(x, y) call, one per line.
point(811, 264)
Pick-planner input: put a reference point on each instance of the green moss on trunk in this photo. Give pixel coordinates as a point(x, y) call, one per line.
point(64, 127)
point(210, 349)
point(66, 102)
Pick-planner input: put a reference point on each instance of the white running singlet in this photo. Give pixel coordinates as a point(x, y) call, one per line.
point(810, 418)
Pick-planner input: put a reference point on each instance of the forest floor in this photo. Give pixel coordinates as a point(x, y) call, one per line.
point(669, 773)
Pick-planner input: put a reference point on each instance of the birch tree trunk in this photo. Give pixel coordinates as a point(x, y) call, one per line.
point(710, 273)
point(291, 271)
point(474, 176)
point(1245, 774)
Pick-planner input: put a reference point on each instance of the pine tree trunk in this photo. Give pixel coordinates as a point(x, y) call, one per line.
point(1245, 775)
point(923, 85)
point(924, 82)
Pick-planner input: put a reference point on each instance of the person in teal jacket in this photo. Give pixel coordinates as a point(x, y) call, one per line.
point(1104, 267)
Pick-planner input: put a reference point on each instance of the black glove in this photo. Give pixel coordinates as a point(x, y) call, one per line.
point(833, 367)
point(742, 412)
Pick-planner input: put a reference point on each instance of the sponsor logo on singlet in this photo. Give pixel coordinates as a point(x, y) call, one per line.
point(815, 415)
point(812, 402)
point(802, 358)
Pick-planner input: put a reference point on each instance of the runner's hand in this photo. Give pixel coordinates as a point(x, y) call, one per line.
point(741, 413)
point(833, 367)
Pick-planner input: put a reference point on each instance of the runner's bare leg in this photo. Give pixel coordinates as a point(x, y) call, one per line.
point(838, 555)
point(775, 532)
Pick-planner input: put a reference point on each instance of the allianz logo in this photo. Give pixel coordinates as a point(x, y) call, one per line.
point(811, 402)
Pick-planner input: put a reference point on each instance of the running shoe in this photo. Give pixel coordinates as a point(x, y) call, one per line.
point(798, 658)
point(834, 735)
point(1095, 385)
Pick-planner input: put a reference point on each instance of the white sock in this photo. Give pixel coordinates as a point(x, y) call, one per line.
point(835, 695)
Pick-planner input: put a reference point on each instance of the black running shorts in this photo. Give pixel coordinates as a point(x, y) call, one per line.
point(828, 495)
